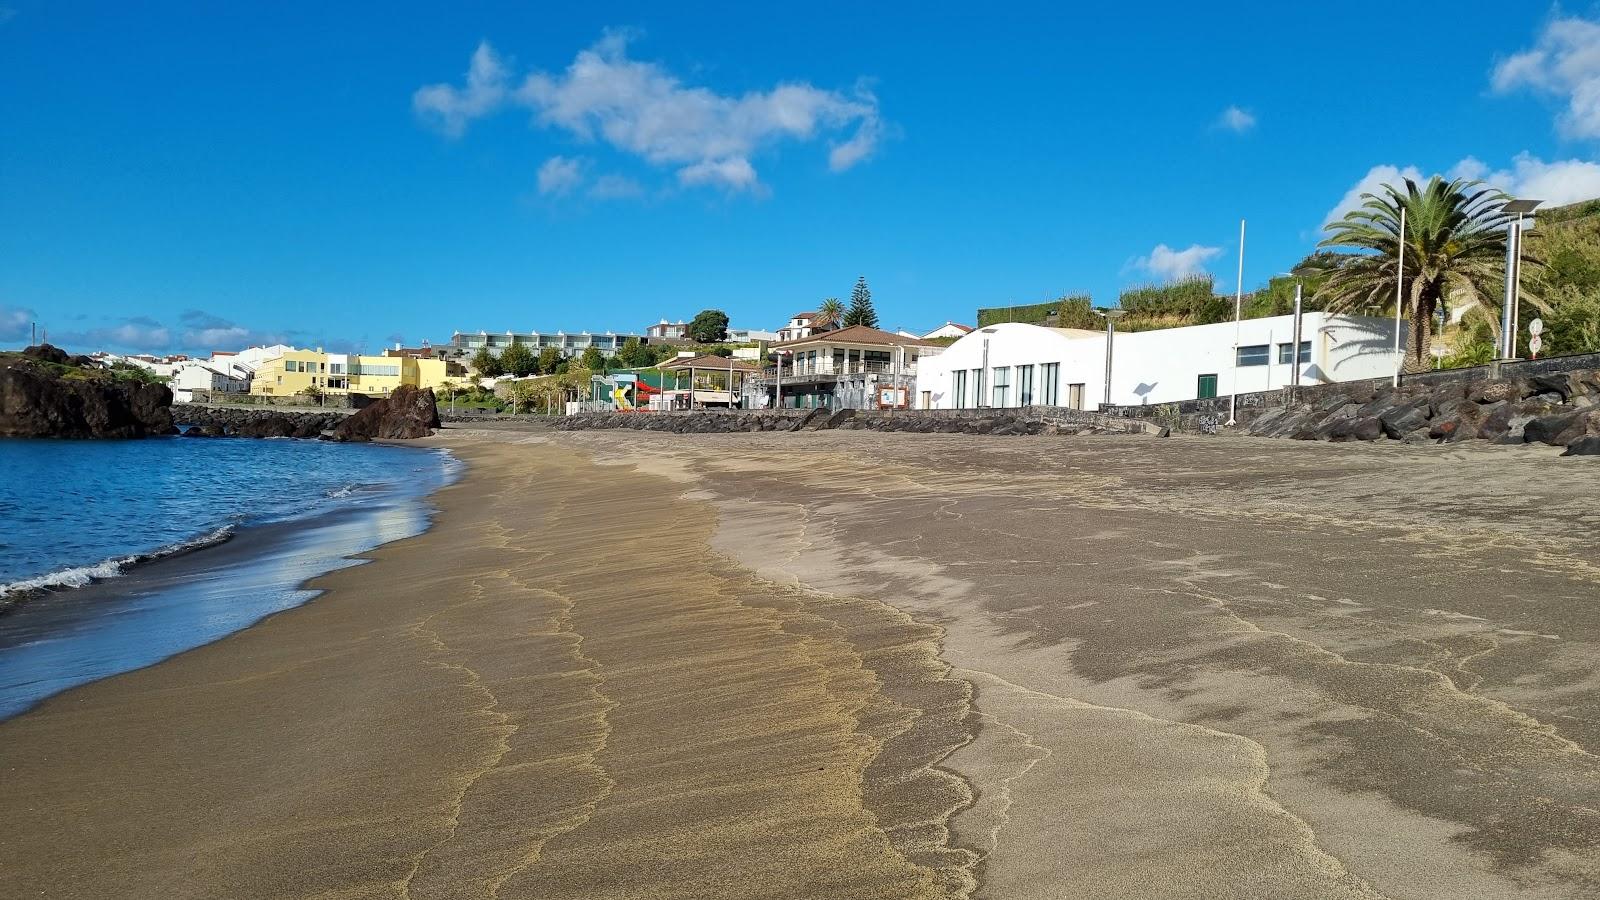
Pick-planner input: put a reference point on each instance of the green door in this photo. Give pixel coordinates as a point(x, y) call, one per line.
point(1207, 388)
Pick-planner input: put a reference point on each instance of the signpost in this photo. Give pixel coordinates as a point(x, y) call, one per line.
point(1535, 342)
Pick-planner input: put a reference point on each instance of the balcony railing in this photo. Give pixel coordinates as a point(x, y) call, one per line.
point(830, 366)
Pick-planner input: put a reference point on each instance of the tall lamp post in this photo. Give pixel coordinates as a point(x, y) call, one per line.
point(1508, 314)
point(1111, 315)
point(1238, 320)
point(1399, 293)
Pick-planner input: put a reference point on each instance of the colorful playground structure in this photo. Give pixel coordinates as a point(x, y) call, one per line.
point(628, 392)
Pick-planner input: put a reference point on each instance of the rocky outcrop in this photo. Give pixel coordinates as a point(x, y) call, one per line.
point(406, 414)
point(46, 393)
point(1560, 409)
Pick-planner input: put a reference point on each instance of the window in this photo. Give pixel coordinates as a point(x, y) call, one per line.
point(958, 388)
point(1253, 355)
point(1024, 385)
point(336, 368)
point(977, 387)
point(1207, 388)
point(1052, 384)
point(1286, 352)
point(1002, 386)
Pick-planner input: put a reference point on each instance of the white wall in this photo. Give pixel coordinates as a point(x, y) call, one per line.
point(1164, 366)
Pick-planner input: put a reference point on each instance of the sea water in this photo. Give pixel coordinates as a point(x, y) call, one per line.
point(117, 554)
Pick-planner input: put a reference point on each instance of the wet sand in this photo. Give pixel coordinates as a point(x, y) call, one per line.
point(863, 665)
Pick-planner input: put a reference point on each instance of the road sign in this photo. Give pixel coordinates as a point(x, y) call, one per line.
point(1536, 327)
point(1534, 344)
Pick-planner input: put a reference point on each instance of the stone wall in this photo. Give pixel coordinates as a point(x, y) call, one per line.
point(1559, 408)
point(256, 421)
point(1199, 415)
point(1028, 420)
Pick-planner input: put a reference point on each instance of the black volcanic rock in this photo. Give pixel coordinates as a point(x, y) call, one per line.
point(407, 413)
point(46, 393)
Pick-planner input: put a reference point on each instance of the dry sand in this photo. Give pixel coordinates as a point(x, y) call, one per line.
point(863, 665)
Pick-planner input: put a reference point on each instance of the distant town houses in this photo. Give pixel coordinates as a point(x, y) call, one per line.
point(465, 345)
point(314, 372)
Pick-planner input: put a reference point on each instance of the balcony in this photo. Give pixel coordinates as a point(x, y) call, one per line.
point(829, 368)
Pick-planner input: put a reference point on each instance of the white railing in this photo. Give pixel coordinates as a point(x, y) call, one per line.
point(830, 366)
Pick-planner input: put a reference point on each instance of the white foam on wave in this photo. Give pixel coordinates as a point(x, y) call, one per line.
point(80, 576)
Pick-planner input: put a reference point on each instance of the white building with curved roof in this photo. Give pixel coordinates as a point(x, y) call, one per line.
point(1014, 364)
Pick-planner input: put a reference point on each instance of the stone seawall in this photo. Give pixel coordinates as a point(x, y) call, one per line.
point(1203, 415)
point(217, 421)
point(1559, 409)
point(1029, 420)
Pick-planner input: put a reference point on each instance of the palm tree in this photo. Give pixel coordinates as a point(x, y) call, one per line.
point(1454, 253)
point(829, 313)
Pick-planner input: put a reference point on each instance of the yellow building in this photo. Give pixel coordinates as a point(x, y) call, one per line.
point(298, 371)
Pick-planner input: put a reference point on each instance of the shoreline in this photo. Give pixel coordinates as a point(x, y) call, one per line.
point(73, 636)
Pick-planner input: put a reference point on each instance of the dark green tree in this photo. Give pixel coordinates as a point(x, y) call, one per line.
point(709, 327)
point(518, 360)
point(549, 359)
point(486, 364)
point(861, 311)
point(593, 359)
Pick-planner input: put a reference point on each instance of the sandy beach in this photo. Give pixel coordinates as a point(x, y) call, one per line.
point(837, 665)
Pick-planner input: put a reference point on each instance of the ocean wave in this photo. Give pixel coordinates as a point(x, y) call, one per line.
point(80, 576)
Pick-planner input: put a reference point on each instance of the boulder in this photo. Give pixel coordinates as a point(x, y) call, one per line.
point(1584, 446)
point(1497, 391)
point(1367, 428)
point(267, 426)
point(1557, 430)
point(1559, 385)
point(1400, 421)
point(406, 414)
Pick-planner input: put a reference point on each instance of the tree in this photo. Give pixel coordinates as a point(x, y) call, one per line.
point(634, 354)
point(861, 311)
point(829, 314)
point(1454, 250)
point(518, 360)
point(709, 327)
point(522, 395)
point(593, 358)
point(549, 358)
point(486, 364)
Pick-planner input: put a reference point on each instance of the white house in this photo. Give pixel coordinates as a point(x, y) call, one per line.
point(948, 330)
point(1014, 364)
point(799, 327)
point(196, 375)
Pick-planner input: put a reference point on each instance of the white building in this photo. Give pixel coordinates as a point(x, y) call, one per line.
point(1014, 364)
point(800, 326)
point(197, 375)
point(948, 330)
point(750, 336)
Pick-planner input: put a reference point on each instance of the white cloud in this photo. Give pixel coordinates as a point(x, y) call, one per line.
point(140, 333)
point(642, 109)
point(1371, 183)
point(16, 324)
point(615, 187)
point(1564, 63)
point(1236, 120)
point(1556, 183)
point(1168, 264)
point(560, 175)
point(734, 173)
point(450, 109)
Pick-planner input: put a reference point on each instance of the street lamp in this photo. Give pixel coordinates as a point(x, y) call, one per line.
point(1238, 324)
point(1111, 315)
point(1508, 315)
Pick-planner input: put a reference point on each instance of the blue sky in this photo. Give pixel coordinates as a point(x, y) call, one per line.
point(178, 177)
